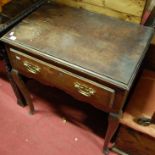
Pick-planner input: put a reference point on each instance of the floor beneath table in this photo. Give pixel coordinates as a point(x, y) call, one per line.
point(60, 126)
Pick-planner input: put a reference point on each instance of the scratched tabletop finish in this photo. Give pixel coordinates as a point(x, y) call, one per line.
point(108, 47)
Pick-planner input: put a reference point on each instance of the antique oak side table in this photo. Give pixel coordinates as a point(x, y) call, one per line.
point(92, 57)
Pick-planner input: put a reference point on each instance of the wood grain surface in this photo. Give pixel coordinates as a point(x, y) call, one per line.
point(108, 48)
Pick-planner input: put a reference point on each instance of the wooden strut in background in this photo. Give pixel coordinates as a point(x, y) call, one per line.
point(128, 10)
point(150, 61)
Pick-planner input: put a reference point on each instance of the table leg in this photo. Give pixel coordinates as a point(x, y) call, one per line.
point(113, 123)
point(20, 99)
point(21, 85)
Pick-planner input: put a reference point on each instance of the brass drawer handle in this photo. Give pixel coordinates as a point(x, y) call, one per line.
point(84, 89)
point(31, 68)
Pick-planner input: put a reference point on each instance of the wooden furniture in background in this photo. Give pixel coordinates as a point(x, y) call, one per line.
point(92, 57)
point(133, 138)
point(128, 10)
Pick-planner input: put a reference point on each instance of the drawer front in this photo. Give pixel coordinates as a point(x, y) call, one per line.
point(81, 88)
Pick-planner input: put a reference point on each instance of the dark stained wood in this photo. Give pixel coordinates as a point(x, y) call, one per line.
point(150, 59)
point(112, 127)
point(114, 98)
point(134, 142)
point(59, 78)
point(23, 89)
point(20, 99)
point(57, 45)
point(86, 41)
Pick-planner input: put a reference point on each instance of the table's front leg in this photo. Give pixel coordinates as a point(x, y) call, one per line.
point(21, 85)
point(20, 99)
point(113, 123)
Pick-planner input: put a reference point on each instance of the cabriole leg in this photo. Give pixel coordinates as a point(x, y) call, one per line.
point(113, 123)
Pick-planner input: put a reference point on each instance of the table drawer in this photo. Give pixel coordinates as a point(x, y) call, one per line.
point(81, 88)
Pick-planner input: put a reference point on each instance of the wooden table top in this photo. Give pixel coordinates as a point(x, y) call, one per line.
point(105, 47)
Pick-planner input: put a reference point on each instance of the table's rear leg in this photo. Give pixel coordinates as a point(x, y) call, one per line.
point(113, 123)
point(21, 85)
